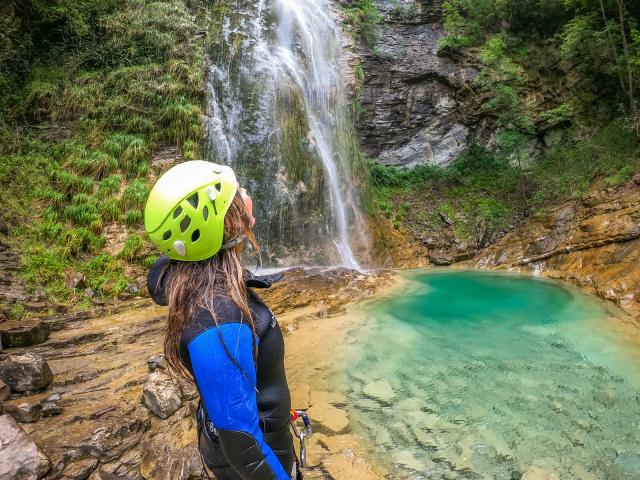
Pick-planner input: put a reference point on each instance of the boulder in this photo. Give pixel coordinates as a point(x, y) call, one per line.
point(26, 335)
point(20, 457)
point(26, 372)
point(25, 412)
point(162, 394)
point(73, 279)
point(156, 362)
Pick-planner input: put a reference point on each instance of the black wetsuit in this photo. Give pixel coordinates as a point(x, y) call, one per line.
point(244, 429)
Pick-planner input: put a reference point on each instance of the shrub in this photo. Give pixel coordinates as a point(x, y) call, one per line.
point(135, 195)
point(132, 247)
point(109, 186)
point(134, 217)
point(364, 18)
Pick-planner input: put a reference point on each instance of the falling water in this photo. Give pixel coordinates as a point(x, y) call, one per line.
point(279, 114)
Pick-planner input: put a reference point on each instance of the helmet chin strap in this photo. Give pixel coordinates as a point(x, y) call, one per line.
point(233, 243)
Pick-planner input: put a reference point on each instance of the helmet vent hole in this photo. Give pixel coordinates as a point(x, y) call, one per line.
point(193, 200)
point(177, 213)
point(218, 187)
point(167, 235)
point(195, 235)
point(205, 213)
point(184, 223)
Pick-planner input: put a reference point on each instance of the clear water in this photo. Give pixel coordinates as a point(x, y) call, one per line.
point(475, 375)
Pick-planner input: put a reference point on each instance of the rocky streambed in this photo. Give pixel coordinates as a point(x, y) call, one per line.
point(95, 401)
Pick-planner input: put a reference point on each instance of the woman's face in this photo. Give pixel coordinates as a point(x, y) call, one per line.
point(248, 204)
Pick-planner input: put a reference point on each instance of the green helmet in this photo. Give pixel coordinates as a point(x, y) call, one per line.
point(184, 215)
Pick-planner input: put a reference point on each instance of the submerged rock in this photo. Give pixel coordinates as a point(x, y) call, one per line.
point(20, 457)
point(162, 394)
point(325, 414)
point(26, 372)
point(625, 467)
point(25, 412)
point(379, 390)
point(538, 473)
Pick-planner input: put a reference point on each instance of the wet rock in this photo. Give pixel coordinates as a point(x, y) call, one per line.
point(25, 372)
point(50, 409)
point(156, 362)
point(74, 279)
point(25, 336)
point(379, 390)
point(24, 412)
point(161, 394)
point(80, 469)
point(5, 391)
point(20, 457)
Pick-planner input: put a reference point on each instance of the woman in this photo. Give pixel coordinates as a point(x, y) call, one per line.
point(219, 333)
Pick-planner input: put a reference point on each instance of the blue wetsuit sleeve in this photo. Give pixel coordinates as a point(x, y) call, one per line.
point(230, 399)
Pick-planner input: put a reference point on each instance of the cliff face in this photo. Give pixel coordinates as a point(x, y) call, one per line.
point(413, 100)
point(593, 241)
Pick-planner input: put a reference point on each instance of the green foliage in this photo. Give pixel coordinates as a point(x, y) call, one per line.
point(87, 91)
point(110, 186)
point(133, 217)
point(364, 18)
point(132, 246)
point(79, 240)
point(45, 268)
point(135, 195)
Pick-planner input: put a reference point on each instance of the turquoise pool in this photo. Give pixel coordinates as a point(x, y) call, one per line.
point(477, 375)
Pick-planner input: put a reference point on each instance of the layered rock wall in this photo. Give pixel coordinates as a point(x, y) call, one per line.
point(412, 99)
point(593, 241)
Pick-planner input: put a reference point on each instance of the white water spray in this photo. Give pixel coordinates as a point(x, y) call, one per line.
point(290, 46)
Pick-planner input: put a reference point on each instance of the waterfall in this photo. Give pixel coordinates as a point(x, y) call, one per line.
point(278, 113)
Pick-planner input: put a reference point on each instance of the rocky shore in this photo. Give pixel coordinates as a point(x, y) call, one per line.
point(95, 400)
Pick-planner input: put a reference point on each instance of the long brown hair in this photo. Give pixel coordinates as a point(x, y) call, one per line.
point(191, 286)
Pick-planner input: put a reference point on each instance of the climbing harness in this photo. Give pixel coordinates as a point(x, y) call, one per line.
point(301, 434)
